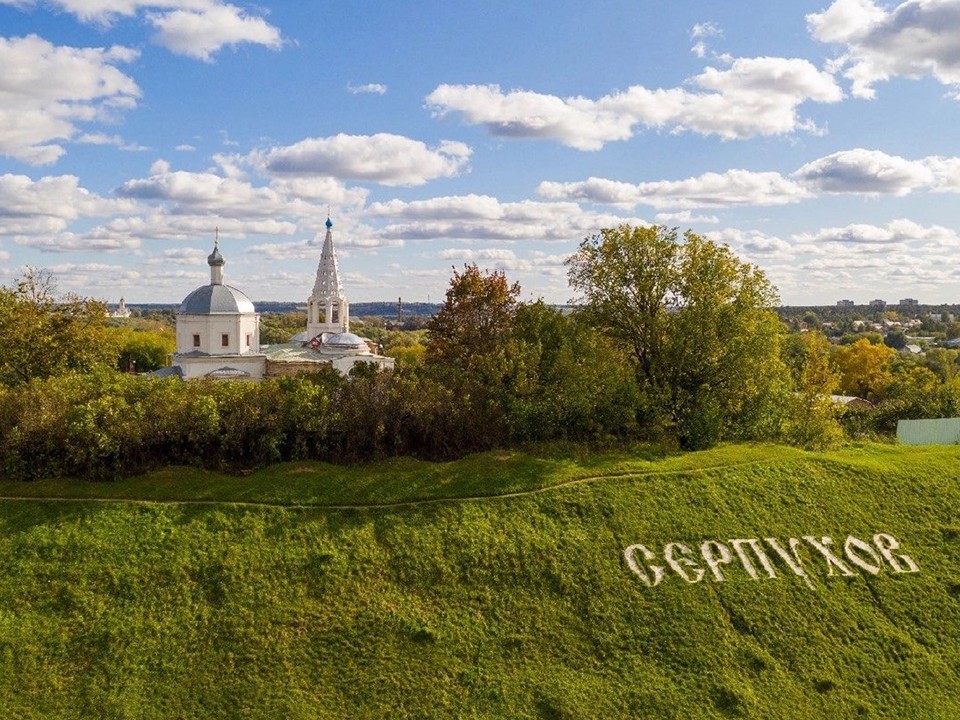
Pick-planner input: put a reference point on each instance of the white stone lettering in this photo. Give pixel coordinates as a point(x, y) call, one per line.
point(685, 559)
point(714, 561)
point(630, 555)
point(832, 560)
point(684, 562)
point(852, 544)
point(885, 544)
point(791, 558)
point(754, 545)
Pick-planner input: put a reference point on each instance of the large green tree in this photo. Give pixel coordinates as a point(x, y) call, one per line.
point(45, 334)
point(698, 324)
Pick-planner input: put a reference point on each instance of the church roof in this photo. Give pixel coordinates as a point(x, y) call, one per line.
point(342, 340)
point(327, 284)
point(214, 299)
point(169, 371)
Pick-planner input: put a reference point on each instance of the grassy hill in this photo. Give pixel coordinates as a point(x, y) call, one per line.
point(492, 587)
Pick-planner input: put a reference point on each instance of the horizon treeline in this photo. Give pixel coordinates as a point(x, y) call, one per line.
point(673, 341)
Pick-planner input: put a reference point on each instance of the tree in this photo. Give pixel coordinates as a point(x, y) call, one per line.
point(277, 328)
point(895, 339)
point(812, 420)
point(576, 383)
point(474, 322)
point(140, 350)
point(44, 335)
point(864, 369)
point(697, 323)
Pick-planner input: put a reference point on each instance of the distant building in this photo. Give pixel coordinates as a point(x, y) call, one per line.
point(878, 304)
point(218, 330)
point(845, 303)
point(122, 311)
point(909, 302)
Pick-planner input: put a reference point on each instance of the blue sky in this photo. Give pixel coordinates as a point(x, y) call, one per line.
point(817, 139)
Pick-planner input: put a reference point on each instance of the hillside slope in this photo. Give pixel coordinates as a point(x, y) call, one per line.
point(253, 600)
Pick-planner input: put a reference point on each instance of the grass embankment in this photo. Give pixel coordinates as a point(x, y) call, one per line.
point(499, 607)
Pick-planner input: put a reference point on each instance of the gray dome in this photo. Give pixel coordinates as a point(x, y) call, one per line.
point(343, 340)
point(212, 299)
point(215, 258)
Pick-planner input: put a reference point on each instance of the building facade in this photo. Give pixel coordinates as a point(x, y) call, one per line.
point(218, 330)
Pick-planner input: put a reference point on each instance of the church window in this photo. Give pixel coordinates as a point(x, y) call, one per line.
point(336, 314)
point(225, 340)
point(196, 341)
point(249, 340)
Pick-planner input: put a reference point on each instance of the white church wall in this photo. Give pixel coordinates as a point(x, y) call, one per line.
point(212, 328)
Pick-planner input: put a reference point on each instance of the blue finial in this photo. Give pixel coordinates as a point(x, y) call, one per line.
point(329, 223)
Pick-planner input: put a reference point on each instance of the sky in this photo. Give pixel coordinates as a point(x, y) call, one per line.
point(818, 140)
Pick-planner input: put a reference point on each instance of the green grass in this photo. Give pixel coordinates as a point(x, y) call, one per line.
point(518, 606)
point(398, 480)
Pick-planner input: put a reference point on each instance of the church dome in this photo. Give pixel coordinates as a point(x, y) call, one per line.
point(215, 299)
point(345, 340)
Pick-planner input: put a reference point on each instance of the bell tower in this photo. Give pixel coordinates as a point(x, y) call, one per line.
point(327, 308)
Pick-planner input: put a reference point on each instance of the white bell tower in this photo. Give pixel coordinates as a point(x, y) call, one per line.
point(327, 299)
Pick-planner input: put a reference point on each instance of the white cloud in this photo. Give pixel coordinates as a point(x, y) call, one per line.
point(703, 30)
point(201, 33)
point(500, 258)
point(946, 173)
point(369, 88)
point(872, 172)
point(480, 217)
point(856, 171)
point(206, 192)
point(753, 243)
point(356, 237)
point(185, 148)
point(915, 39)
point(46, 91)
point(190, 257)
point(902, 256)
point(49, 205)
point(733, 187)
point(753, 96)
point(68, 242)
point(195, 28)
point(865, 171)
point(166, 225)
point(103, 12)
point(99, 139)
point(322, 191)
point(684, 217)
point(382, 158)
point(900, 231)
point(460, 207)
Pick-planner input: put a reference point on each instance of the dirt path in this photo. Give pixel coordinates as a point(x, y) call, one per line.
point(375, 505)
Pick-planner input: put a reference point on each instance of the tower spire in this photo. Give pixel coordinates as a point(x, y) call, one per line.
point(327, 299)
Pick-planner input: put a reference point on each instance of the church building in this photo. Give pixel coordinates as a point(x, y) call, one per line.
point(218, 330)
